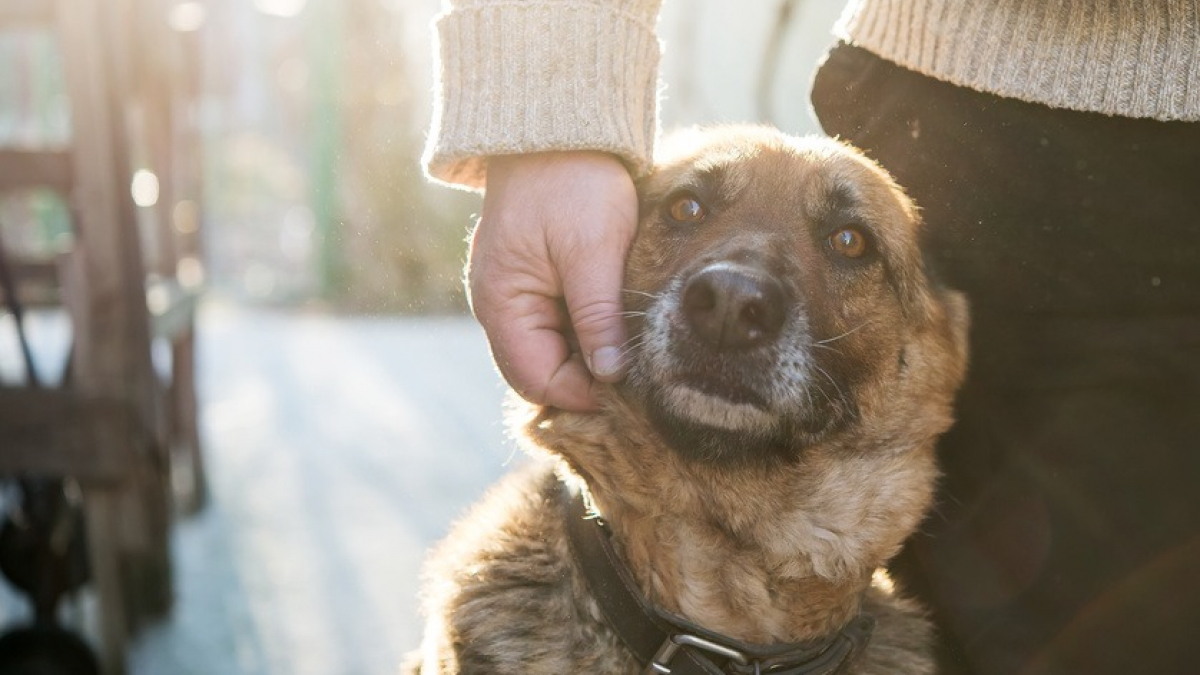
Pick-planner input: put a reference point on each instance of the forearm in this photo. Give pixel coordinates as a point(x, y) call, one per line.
point(520, 76)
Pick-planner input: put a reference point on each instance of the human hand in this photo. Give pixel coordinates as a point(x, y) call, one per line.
point(555, 226)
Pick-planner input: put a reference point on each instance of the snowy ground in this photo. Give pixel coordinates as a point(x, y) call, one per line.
point(338, 450)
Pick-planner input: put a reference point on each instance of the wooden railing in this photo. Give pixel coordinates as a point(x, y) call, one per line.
point(114, 425)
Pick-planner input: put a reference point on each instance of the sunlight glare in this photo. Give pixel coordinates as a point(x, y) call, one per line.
point(187, 17)
point(190, 272)
point(186, 216)
point(144, 188)
point(281, 8)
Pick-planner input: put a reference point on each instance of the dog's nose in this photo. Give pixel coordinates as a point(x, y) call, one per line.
point(732, 309)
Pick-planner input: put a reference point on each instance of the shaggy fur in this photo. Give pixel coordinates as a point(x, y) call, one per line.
point(753, 490)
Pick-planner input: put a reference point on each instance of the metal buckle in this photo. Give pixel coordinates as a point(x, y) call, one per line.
point(661, 663)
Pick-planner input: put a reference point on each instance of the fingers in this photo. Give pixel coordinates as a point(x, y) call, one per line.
point(554, 227)
point(533, 355)
point(593, 296)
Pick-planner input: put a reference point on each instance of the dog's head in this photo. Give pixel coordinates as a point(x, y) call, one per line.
point(792, 363)
point(778, 299)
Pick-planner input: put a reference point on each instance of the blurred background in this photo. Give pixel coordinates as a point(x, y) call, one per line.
point(342, 408)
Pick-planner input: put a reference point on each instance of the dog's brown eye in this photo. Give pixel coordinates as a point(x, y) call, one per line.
point(849, 242)
point(686, 209)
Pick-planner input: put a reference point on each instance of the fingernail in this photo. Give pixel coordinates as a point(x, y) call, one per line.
point(606, 362)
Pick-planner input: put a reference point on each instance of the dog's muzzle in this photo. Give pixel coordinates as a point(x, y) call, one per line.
point(722, 345)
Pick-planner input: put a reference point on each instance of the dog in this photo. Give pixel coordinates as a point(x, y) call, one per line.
point(791, 367)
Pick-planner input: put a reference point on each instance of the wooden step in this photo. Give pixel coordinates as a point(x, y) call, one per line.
point(21, 169)
point(56, 432)
point(37, 283)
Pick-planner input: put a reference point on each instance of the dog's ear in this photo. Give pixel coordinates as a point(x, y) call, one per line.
point(950, 327)
point(958, 317)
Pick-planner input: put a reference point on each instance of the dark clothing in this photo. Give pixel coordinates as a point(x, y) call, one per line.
point(1066, 537)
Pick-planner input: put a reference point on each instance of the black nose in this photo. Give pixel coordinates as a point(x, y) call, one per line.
point(733, 310)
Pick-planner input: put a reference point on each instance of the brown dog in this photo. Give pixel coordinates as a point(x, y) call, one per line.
point(771, 448)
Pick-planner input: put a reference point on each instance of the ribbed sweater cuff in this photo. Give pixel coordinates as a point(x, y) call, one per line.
point(1119, 57)
point(520, 77)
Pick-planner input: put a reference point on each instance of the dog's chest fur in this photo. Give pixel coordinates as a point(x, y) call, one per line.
point(519, 604)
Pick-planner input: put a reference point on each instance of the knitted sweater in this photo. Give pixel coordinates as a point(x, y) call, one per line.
point(519, 76)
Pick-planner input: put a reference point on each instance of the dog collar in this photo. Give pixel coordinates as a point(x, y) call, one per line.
point(668, 644)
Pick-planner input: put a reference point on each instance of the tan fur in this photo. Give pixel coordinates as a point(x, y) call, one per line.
point(763, 550)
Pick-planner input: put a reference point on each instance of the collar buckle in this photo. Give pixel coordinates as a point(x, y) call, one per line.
point(661, 663)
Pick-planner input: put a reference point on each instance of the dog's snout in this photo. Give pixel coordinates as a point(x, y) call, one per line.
point(730, 309)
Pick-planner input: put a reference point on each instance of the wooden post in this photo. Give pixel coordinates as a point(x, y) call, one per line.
point(106, 297)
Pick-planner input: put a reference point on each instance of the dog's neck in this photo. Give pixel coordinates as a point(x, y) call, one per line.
point(762, 554)
point(727, 581)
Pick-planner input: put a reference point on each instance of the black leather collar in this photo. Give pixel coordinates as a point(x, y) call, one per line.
point(665, 643)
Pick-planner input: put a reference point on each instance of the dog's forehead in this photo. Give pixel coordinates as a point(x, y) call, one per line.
point(788, 186)
point(812, 175)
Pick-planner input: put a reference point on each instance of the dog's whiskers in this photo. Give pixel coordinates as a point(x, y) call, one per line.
point(629, 349)
point(652, 296)
point(809, 398)
point(635, 336)
point(632, 344)
point(826, 347)
point(822, 392)
point(839, 337)
point(841, 394)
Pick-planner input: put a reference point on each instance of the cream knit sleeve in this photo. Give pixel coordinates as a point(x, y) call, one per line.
point(518, 76)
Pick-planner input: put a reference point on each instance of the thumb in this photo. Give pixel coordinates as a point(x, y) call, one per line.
point(592, 291)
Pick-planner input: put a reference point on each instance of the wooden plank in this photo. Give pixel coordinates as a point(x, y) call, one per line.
point(37, 282)
point(102, 509)
point(35, 168)
point(112, 333)
point(34, 270)
point(106, 289)
point(187, 453)
point(55, 432)
point(26, 12)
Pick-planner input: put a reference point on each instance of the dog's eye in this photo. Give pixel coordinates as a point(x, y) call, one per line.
point(685, 209)
point(850, 242)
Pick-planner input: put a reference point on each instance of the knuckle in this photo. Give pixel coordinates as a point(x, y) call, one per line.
point(595, 316)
